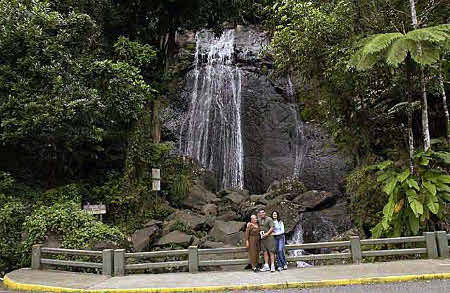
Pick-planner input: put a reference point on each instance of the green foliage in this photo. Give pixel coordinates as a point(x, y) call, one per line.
point(416, 201)
point(179, 189)
point(424, 46)
point(366, 199)
point(67, 193)
point(76, 228)
point(12, 215)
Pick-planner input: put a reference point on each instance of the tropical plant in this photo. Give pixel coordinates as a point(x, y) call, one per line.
point(423, 46)
point(416, 200)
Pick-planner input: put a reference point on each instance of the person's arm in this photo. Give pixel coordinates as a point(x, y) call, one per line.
point(282, 228)
point(270, 230)
point(247, 234)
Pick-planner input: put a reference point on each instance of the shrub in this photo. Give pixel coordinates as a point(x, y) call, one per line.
point(77, 228)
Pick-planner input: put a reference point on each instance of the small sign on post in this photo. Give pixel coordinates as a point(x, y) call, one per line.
point(95, 209)
point(156, 174)
point(156, 179)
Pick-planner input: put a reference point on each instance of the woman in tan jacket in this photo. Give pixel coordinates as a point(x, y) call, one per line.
point(252, 242)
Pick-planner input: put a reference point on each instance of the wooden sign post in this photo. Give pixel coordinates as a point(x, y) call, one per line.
point(95, 209)
point(156, 179)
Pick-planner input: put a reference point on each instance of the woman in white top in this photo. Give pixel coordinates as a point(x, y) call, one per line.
point(278, 233)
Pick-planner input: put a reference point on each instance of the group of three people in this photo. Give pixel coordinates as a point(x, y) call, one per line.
point(266, 234)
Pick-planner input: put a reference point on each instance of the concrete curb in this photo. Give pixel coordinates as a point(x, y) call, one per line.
point(11, 284)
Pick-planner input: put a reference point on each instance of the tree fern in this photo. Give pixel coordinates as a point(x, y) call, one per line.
point(424, 45)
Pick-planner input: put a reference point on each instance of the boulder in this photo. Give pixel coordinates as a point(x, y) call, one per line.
point(143, 237)
point(227, 232)
point(325, 224)
point(235, 197)
point(175, 237)
point(199, 196)
point(210, 209)
point(189, 219)
point(289, 212)
point(227, 216)
point(259, 198)
point(153, 223)
point(213, 244)
point(315, 200)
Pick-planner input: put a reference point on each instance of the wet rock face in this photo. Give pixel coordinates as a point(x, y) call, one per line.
point(269, 120)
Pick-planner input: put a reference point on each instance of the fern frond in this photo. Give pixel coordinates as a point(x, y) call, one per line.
point(379, 43)
point(363, 61)
point(426, 53)
point(435, 34)
point(398, 51)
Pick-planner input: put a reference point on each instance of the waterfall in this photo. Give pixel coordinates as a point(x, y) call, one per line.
point(297, 238)
point(300, 144)
point(211, 132)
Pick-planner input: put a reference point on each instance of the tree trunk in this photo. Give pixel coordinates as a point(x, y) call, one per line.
point(444, 102)
point(426, 130)
point(156, 128)
point(410, 120)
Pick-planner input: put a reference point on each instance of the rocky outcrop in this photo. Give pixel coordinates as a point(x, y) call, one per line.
point(143, 237)
point(175, 238)
point(227, 232)
point(198, 196)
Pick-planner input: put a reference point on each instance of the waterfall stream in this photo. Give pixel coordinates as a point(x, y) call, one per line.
point(297, 238)
point(211, 132)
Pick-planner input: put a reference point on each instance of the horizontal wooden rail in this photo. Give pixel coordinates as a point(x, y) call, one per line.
point(319, 256)
point(388, 252)
point(331, 244)
point(223, 262)
point(70, 251)
point(179, 252)
point(222, 250)
point(69, 263)
point(436, 245)
point(155, 265)
point(393, 240)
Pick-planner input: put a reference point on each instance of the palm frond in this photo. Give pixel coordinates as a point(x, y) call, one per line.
point(363, 61)
point(379, 43)
point(426, 53)
point(398, 51)
point(434, 34)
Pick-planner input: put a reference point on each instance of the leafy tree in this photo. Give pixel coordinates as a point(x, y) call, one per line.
point(416, 200)
point(58, 98)
point(420, 45)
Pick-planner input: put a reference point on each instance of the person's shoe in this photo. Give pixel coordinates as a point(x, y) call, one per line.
point(280, 269)
point(265, 268)
point(272, 269)
point(285, 267)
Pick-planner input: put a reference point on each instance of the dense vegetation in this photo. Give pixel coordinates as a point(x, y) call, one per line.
point(82, 83)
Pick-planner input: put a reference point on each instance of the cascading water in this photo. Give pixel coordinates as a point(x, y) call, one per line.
point(211, 132)
point(297, 238)
point(299, 153)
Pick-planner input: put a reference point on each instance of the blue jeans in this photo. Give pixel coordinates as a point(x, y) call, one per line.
point(279, 245)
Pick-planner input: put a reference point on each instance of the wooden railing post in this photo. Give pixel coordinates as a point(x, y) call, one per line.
point(193, 259)
point(442, 243)
point(430, 240)
point(355, 246)
point(119, 262)
point(107, 262)
point(36, 257)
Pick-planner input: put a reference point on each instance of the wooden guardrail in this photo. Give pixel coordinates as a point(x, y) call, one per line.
point(114, 262)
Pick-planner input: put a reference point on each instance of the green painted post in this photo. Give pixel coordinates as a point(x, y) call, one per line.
point(36, 257)
point(119, 262)
point(108, 261)
point(355, 246)
point(193, 259)
point(430, 240)
point(442, 243)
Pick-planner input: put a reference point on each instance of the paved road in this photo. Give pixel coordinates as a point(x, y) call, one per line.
point(435, 286)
